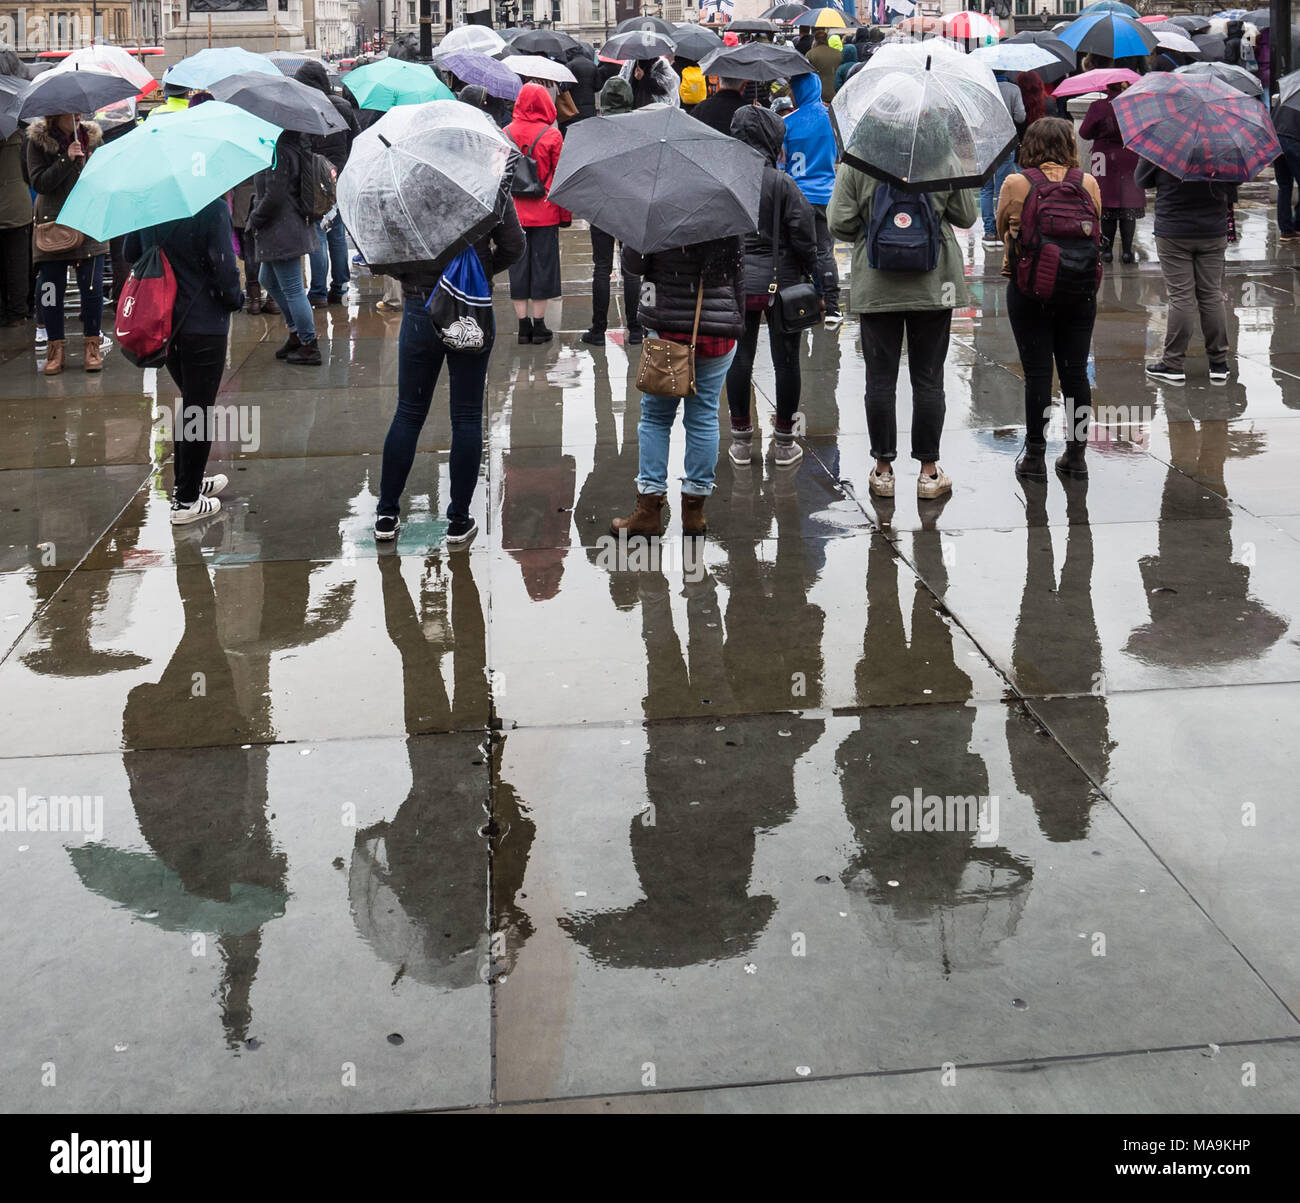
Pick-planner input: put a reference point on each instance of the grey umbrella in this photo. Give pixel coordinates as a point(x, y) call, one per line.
point(1234, 77)
point(646, 25)
point(1212, 46)
point(74, 92)
point(761, 61)
point(281, 101)
point(637, 44)
point(548, 42)
point(12, 92)
point(1189, 22)
point(695, 42)
point(658, 178)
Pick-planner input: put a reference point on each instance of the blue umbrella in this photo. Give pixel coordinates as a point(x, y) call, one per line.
point(202, 70)
point(1109, 35)
point(1231, 14)
point(488, 73)
point(1109, 6)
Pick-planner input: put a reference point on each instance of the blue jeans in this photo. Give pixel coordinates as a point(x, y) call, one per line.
point(989, 192)
point(330, 259)
point(51, 286)
point(700, 417)
point(282, 278)
point(1287, 169)
point(420, 356)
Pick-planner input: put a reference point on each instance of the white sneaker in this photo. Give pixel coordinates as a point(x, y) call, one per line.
point(993, 244)
point(833, 321)
point(204, 507)
point(881, 484)
point(212, 485)
point(105, 343)
point(930, 487)
point(41, 337)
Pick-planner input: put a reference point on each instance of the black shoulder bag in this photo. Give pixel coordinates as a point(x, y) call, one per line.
point(797, 306)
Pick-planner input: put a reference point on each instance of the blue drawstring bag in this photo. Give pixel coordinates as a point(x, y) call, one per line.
point(460, 307)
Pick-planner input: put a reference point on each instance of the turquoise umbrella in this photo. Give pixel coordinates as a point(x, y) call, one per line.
point(166, 170)
point(390, 82)
point(212, 63)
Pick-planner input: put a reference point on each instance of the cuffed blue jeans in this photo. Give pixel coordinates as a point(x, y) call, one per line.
point(282, 278)
point(990, 190)
point(329, 263)
point(699, 417)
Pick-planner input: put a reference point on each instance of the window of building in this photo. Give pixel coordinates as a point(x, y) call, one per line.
point(1022, 8)
point(526, 10)
point(435, 13)
point(555, 12)
point(410, 12)
point(1070, 7)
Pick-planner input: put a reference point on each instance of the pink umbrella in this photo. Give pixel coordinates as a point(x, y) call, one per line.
point(1154, 20)
point(972, 26)
point(1096, 81)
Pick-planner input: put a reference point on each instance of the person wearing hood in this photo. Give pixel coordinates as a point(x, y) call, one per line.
point(15, 217)
point(791, 259)
point(810, 156)
point(849, 59)
point(484, 101)
point(717, 112)
point(535, 277)
point(329, 262)
point(615, 97)
point(177, 101)
point(582, 93)
point(653, 82)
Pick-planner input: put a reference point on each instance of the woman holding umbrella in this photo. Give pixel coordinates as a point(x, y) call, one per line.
point(57, 150)
point(1122, 201)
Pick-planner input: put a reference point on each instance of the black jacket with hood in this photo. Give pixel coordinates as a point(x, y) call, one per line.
point(765, 132)
point(583, 93)
point(1187, 208)
point(277, 222)
point(334, 147)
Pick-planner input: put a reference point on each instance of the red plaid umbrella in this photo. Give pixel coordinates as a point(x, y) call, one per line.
point(1196, 128)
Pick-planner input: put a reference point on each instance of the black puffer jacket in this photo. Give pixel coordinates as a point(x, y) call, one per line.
point(583, 93)
point(1187, 208)
point(334, 147)
point(279, 227)
point(669, 281)
point(765, 132)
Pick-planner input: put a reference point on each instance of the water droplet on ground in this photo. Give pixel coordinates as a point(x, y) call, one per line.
point(1020, 1004)
point(803, 1070)
point(396, 1038)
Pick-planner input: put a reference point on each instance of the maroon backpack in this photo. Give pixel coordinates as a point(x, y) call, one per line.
point(1058, 249)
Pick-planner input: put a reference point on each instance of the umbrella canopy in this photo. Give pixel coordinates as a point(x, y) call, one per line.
point(969, 26)
point(636, 44)
point(658, 178)
point(1228, 73)
point(823, 18)
point(764, 62)
point(112, 60)
point(1212, 46)
point(471, 37)
point(212, 63)
point(1196, 129)
point(533, 66)
point(287, 63)
point(784, 12)
point(148, 176)
point(283, 102)
point(646, 25)
point(1175, 39)
point(923, 116)
point(1049, 41)
point(1109, 6)
point(1096, 81)
point(750, 25)
point(490, 74)
point(695, 42)
point(392, 81)
point(1109, 35)
point(1230, 14)
point(1189, 22)
point(74, 91)
point(424, 182)
point(549, 43)
point(1014, 58)
point(12, 93)
point(922, 26)
point(1260, 18)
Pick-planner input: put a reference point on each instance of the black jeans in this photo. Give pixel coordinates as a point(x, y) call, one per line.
point(602, 265)
point(826, 265)
point(52, 284)
point(785, 362)
point(927, 348)
point(420, 356)
point(15, 272)
point(1047, 334)
point(195, 362)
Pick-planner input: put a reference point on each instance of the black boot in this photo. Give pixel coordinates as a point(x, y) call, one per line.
point(305, 353)
point(525, 330)
point(1032, 464)
point(1072, 462)
point(291, 344)
point(540, 333)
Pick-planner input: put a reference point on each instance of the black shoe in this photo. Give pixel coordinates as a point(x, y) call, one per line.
point(525, 331)
point(1219, 373)
point(540, 333)
point(291, 344)
point(1032, 464)
point(307, 353)
point(1128, 257)
point(635, 336)
point(1072, 462)
point(593, 337)
point(334, 298)
point(1108, 256)
point(1162, 371)
point(460, 531)
point(386, 527)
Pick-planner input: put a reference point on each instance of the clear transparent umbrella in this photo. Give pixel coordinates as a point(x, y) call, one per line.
point(923, 117)
point(471, 37)
point(422, 183)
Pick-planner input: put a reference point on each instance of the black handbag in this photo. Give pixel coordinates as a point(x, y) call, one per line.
point(527, 179)
point(796, 306)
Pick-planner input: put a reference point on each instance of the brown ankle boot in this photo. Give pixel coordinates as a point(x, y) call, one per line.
point(693, 522)
point(93, 357)
point(253, 298)
point(646, 519)
point(55, 350)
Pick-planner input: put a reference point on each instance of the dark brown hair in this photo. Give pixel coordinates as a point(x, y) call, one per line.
point(1048, 140)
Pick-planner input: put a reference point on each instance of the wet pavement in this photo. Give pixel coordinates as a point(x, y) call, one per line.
point(519, 826)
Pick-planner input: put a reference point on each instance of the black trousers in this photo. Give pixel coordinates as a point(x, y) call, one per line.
point(15, 273)
point(602, 258)
point(785, 361)
point(1047, 335)
point(927, 347)
point(195, 362)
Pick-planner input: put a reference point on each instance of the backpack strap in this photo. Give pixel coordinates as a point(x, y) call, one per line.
point(1074, 176)
point(776, 237)
point(533, 145)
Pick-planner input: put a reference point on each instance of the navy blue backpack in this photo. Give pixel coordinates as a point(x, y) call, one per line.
point(461, 305)
point(905, 233)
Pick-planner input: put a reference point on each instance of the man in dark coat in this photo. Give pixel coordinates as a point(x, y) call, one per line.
point(720, 108)
point(583, 93)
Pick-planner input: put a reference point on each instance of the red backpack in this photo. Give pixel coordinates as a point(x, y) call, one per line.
point(144, 310)
point(1058, 249)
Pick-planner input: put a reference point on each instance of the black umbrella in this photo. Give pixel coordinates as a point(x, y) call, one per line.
point(74, 91)
point(751, 25)
point(281, 101)
point(784, 12)
point(1260, 18)
point(636, 44)
point(1191, 23)
point(763, 62)
point(1212, 46)
point(1234, 77)
point(658, 178)
point(12, 92)
point(695, 42)
point(646, 25)
point(547, 42)
point(1048, 41)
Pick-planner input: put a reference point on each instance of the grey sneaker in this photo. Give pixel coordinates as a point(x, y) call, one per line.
point(786, 453)
point(741, 450)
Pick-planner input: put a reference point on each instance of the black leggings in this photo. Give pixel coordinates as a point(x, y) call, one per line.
point(1127, 228)
point(1047, 334)
point(785, 362)
point(602, 264)
point(195, 362)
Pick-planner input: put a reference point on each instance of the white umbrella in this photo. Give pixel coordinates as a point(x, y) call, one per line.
point(111, 60)
point(1170, 40)
point(1010, 56)
point(470, 37)
point(534, 66)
